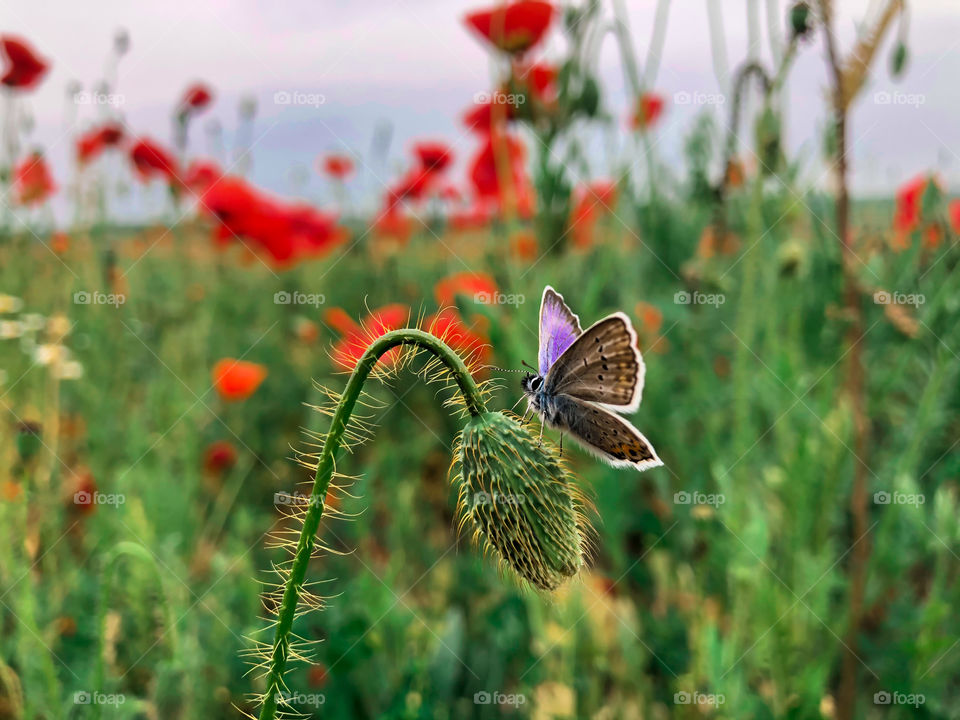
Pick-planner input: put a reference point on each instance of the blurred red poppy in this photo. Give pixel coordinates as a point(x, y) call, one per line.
point(648, 110)
point(478, 287)
point(201, 174)
point(150, 159)
point(84, 492)
point(513, 27)
point(954, 212)
point(538, 80)
point(339, 167)
point(237, 379)
point(32, 180)
point(479, 117)
point(286, 233)
point(25, 69)
point(196, 97)
point(96, 140)
point(433, 156)
point(485, 175)
point(524, 246)
point(591, 202)
point(219, 457)
point(356, 338)
point(393, 224)
point(470, 341)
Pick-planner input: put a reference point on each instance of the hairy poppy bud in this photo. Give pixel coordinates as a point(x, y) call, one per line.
point(518, 498)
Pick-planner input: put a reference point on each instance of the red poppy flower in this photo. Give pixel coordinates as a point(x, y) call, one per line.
point(237, 379)
point(481, 117)
point(96, 140)
point(354, 338)
point(433, 156)
point(201, 174)
point(25, 69)
point(219, 457)
point(84, 492)
point(538, 80)
point(523, 245)
point(909, 199)
point(485, 175)
point(513, 27)
point(954, 212)
point(197, 97)
point(648, 110)
point(151, 159)
point(413, 185)
point(339, 167)
point(393, 224)
point(479, 287)
point(32, 180)
point(470, 341)
point(285, 233)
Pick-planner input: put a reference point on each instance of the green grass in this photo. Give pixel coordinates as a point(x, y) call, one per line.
point(747, 599)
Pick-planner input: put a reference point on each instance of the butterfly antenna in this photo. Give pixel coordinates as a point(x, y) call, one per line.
point(525, 363)
point(494, 367)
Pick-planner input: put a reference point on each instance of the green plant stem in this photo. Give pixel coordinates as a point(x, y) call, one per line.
point(110, 565)
point(321, 482)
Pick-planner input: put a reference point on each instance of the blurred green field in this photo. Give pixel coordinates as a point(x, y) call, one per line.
point(721, 575)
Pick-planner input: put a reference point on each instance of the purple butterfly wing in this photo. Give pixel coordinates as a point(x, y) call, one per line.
point(559, 327)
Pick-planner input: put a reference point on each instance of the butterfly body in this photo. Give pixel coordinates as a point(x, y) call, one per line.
point(584, 377)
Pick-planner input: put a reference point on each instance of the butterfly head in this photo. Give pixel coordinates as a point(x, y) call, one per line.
point(532, 383)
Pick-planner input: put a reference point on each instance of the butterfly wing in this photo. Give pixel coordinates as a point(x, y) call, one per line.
point(602, 365)
point(559, 328)
point(606, 434)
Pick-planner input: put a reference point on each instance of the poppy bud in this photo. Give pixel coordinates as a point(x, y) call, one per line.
point(519, 500)
point(898, 60)
point(28, 439)
point(589, 101)
point(800, 23)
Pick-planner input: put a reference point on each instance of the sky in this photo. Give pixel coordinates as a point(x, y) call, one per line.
point(412, 67)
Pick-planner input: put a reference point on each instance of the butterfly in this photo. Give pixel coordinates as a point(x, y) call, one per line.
point(584, 378)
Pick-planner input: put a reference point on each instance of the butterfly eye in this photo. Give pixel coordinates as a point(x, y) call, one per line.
point(537, 383)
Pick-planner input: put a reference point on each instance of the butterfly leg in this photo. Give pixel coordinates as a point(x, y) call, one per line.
point(561, 444)
point(540, 442)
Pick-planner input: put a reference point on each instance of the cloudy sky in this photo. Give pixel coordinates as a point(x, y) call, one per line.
point(411, 66)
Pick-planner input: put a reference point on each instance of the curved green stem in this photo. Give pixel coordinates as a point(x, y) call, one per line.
point(321, 482)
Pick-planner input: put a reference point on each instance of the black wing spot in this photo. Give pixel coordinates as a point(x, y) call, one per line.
point(600, 378)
